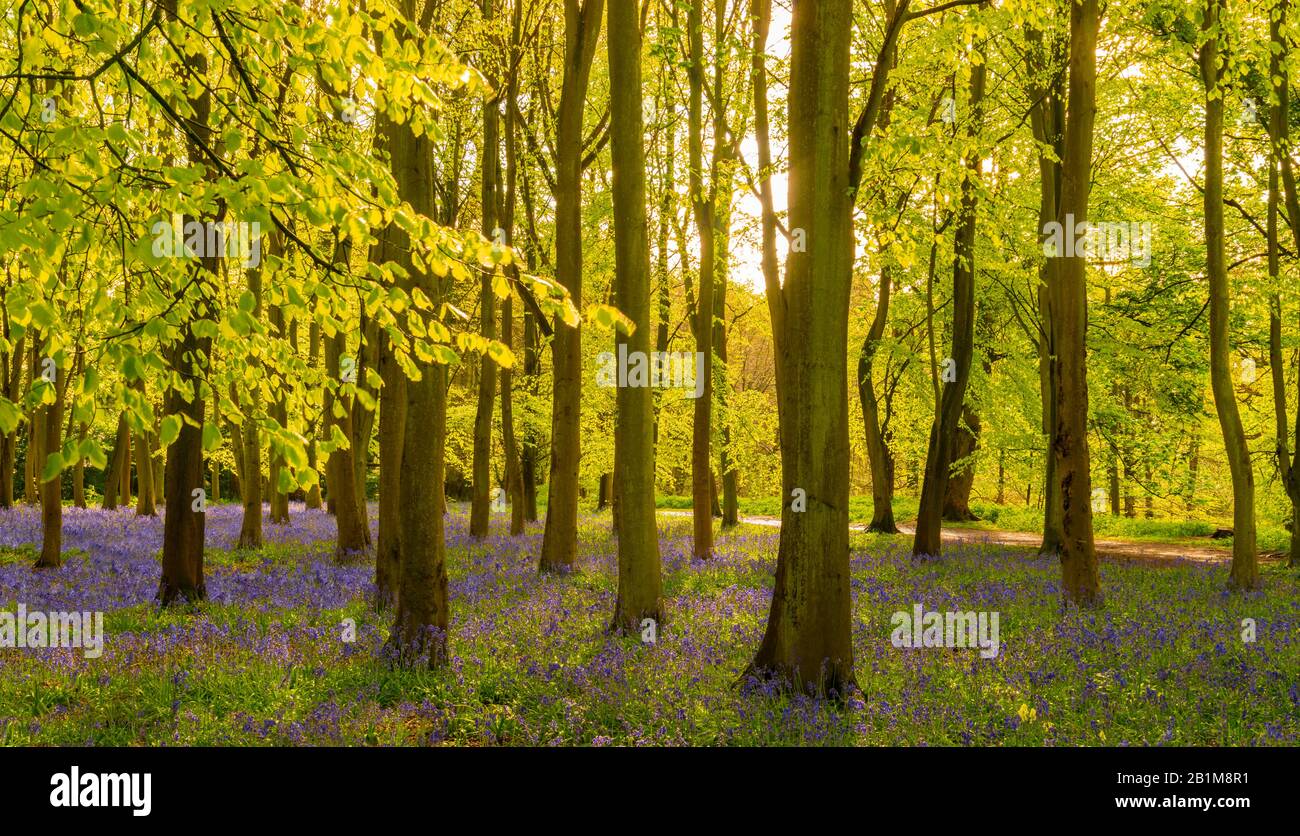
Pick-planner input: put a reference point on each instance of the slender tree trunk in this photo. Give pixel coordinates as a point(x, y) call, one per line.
point(145, 505)
point(184, 515)
point(532, 369)
point(280, 413)
point(422, 619)
point(314, 499)
point(1245, 567)
point(603, 491)
point(956, 498)
point(481, 467)
point(877, 432)
point(560, 537)
point(79, 472)
point(514, 486)
point(11, 380)
point(879, 454)
point(113, 478)
point(1069, 306)
point(1279, 131)
point(702, 323)
point(250, 529)
point(35, 434)
point(125, 486)
point(721, 179)
point(943, 433)
point(808, 642)
point(528, 455)
point(354, 538)
point(1114, 482)
point(144, 500)
point(392, 394)
point(52, 489)
point(363, 419)
point(665, 215)
point(392, 429)
point(639, 585)
point(1047, 118)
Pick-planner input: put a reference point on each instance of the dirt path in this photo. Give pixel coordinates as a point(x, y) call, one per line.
point(1129, 550)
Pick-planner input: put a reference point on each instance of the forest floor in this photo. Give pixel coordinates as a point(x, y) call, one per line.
point(288, 650)
point(1155, 553)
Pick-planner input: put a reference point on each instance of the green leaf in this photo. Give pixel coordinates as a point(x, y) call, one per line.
point(94, 453)
point(89, 380)
point(170, 430)
point(84, 25)
point(10, 415)
point(53, 467)
point(308, 479)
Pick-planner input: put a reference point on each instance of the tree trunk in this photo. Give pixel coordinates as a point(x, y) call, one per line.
point(392, 429)
point(1047, 118)
point(113, 478)
point(560, 537)
point(808, 642)
point(702, 321)
point(532, 368)
point(250, 529)
point(184, 513)
point(514, 486)
point(1069, 306)
point(944, 431)
point(280, 413)
point(1245, 566)
point(144, 499)
point(528, 455)
point(639, 584)
point(603, 498)
point(419, 634)
point(1279, 131)
point(353, 538)
point(314, 499)
point(363, 419)
point(79, 472)
point(35, 457)
point(51, 489)
point(879, 454)
point(666, 214)
point(145, 505)
point(481, 467)
point(11, 380)
point(956, 498)
point(124, 487)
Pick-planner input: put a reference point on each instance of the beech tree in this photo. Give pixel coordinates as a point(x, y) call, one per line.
point(807, 639)
point(1081, 584)
point(581, 34)
point(639, 586)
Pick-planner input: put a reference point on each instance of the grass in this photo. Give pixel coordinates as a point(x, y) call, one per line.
point(1270, 537)
point(264, 662)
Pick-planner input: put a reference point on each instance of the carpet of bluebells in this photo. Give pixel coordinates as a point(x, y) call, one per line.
point(264, 661)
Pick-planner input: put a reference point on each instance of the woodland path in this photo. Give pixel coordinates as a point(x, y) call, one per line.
point(1127, 550)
